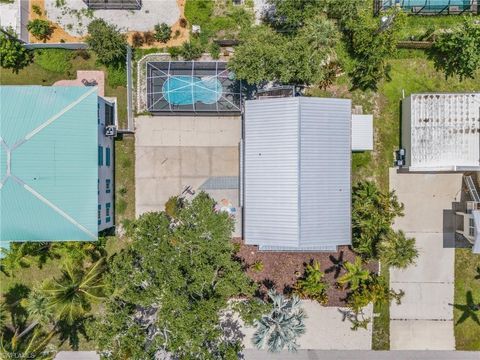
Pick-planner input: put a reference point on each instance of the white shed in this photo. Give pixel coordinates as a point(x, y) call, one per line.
point(296, 173)
point(362, 132)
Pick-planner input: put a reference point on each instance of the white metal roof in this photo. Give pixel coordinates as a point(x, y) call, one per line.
point(445, 131)
point(362, 132)
point(296, 182)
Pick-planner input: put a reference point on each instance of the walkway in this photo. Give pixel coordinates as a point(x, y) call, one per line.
point(424, 319)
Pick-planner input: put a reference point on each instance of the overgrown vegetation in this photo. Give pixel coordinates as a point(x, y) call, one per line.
point(40, 29)
point(107, 42)
point(13, 55)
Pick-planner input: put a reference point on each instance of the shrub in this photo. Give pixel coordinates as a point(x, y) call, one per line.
point(55, 60)
point(397, 250)
point(116, 75)
point(177, 34)
point(191, 50)
point(137, 39)
point(13, 55)
point(252, 309)
point(107, 42)
point(173, 206)
point(174, 52)
point(163, 33)
point(36, 9)
point(257, 266)
point(148, 38)
point(82, 53)
point(183, 23)
point(312, 285)
point(41, 29)
point(215, 51)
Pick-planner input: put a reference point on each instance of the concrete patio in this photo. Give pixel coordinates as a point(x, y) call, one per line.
point(174, 152)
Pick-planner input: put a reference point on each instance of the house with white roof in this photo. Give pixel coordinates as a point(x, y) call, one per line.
point(296, 167)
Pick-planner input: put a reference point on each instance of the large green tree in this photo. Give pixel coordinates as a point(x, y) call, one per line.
point(13, 55)
point(457, 52)
point(107, 42)
point(267, 55)
point(169, 289)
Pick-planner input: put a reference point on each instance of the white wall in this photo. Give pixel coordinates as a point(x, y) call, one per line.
point(106, 172)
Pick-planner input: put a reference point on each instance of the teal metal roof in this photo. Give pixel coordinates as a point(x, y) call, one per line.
point(48, 163)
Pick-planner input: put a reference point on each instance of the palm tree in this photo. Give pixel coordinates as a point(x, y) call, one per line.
point(71, 296)
point(282, 326)
point(469, 310)
point(312, 285)
point(14, 258)
point(355, 275)
point(33, 345)
point(396, 250)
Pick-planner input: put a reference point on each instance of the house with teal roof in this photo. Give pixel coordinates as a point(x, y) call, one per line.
point(56, 163)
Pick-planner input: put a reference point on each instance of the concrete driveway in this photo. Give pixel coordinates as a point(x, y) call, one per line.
point(424, 319)
point(173, 152)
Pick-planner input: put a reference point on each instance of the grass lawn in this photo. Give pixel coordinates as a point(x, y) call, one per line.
point(418, 25)
point(467, 279)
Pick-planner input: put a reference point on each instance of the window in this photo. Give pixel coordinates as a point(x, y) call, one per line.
point(471, 227)
point(98, 113)
point(100, 155)
point(107, 186)
point(98, 187)
point(107, 156)
point(99, 214)
point(109, 114)
point(107, 209)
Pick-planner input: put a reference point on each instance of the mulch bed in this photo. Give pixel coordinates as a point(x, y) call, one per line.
point(282, 269)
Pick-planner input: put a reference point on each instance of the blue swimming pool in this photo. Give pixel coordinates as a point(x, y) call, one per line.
point(188, 90)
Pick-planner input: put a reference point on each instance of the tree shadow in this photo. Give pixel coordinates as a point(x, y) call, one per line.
point(13, 298)
point(337, 266)
point(470, 310)
point(477, 277)
point(71, 332)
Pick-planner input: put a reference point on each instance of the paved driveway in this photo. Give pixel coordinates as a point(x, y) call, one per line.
point(424, 319)
point(173, 152)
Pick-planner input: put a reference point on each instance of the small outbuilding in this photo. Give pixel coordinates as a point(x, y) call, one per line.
point(441, 132)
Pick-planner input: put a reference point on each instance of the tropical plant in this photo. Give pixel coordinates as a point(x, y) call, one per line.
point(257, 266)
point(163, 32)
point(282, 326)
point(32, 345)
point(13, 55)
point(290, 15)
point(355, 274)
point(312, 285)
point(470, 310)
point(373, 213)
point(456, 52)
point(396, 250)
point(107, 42)
point(41, 29)
point(71, 296)
point(168, 290)
point(252, 309)
point(14, 258)
point(191, 50)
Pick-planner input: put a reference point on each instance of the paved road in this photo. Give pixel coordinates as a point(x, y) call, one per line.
point(362, 355)
point(424, 319)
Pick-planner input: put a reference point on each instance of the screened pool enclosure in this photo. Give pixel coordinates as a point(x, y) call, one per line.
point(190, 86)
point(431, 7)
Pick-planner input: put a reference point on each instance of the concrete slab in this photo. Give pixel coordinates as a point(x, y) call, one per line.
point(421, 335)
point(426, 197)
point(326, 330)
point(431, 263)
point(173, 152)
point(424, 301)
point(423, 320)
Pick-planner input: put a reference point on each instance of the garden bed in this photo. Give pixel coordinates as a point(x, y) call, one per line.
point(282, 269)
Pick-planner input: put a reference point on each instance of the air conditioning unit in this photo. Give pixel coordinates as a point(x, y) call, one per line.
point(417, 9)
point(454, 9)
point(399, 163)
point(111, 130)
